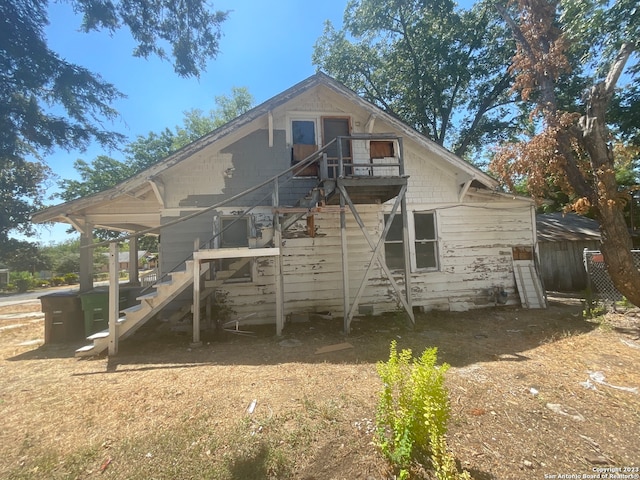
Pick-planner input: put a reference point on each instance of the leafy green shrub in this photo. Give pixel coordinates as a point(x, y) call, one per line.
point(57, 281)
point(413, 411)
point(70, 278)
point(22, 281)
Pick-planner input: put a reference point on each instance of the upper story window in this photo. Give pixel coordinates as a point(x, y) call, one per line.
point(303, 132)
point(304, 143)
point(309, 132)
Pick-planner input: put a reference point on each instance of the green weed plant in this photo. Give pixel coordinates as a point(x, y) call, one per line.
point(412, 414)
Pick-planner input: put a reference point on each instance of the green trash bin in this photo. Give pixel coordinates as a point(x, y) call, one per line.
point(63, 318)
point(95, 305)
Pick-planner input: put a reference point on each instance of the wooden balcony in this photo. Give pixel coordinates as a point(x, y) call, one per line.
point(368, 189)
point(377, 179)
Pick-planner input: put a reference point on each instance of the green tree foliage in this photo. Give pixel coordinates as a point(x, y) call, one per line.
point(102, 173)
point(64, 257)
point(47, 102)
point(439, 68)
point(20, 255)
point(21, 190)
point(197, 124)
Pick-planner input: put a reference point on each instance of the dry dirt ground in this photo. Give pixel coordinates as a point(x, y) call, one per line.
point(534, 393)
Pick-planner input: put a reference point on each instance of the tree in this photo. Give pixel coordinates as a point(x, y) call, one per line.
point(197, 124)
point(23, 256)
point(102, 173)
point(47, 102)
point(64, 257)
point(574, 148)
point(21, 190)
point(440, 69)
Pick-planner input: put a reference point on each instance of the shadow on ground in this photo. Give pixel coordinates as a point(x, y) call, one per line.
point(462, 338)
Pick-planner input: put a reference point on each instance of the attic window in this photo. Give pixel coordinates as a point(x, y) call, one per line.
point(303, 132)
point(303, 138)
point(381, 148)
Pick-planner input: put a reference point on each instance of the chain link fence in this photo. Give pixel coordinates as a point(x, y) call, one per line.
point(598, 279)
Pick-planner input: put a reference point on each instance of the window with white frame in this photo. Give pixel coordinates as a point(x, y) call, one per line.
point(425, 240)
point(423, 246)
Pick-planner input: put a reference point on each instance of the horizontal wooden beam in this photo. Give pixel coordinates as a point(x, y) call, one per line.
point(217, 253)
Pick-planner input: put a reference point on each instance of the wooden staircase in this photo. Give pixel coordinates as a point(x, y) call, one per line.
point(318, 194)
point(136, 316)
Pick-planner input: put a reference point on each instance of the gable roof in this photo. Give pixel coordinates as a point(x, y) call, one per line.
point(141, 179)
point(566, 227)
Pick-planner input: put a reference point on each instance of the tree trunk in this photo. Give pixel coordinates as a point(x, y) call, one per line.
point(616, 241)
point(616, 248)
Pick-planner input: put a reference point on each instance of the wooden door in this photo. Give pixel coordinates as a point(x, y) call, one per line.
point(333, 127)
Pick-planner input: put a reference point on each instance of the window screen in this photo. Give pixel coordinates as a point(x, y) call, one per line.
point(393, 248)
point(303, 132)
point(426, 240)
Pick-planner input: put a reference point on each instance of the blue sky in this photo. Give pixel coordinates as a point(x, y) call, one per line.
point(266, 47)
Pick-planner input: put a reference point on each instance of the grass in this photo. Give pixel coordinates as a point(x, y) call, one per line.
point(260, 446)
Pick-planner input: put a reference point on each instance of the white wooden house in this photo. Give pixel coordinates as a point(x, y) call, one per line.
point(289, 203)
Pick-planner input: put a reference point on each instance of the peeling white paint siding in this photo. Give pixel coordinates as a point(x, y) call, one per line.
point(474, 251)
point(312, 269)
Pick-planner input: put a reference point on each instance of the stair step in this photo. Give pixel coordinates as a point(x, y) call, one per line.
point(105, 333)
point(147, 296)
point(97, 335)
point(224, 274)
point(132, 309)
point(84, 351)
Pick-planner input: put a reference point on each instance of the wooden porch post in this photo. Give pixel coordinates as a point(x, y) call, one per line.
point(196, 297)
point(277, 241)
point(343, 244)
point(134, 273)
point(86, 256)
point(114, 298)
point(405, 239)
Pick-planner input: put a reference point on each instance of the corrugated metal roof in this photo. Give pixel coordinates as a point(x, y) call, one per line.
point(566, 227)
